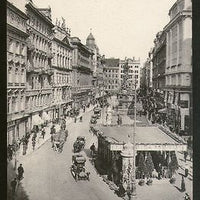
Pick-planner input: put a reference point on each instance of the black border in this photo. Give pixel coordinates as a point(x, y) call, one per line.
point(3, 103)
point(196, 98)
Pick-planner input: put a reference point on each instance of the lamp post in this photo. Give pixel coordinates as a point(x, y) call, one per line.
point(133, 183)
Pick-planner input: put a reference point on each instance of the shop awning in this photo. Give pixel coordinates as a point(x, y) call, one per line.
point(164, 110)
point(37, 120)
point(45, 116)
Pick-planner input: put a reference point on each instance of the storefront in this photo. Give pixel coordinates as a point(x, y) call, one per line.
point(111, 143)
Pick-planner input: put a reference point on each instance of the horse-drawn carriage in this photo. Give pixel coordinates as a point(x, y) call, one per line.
point(59, 139)
point(78, 168)
point(79, 144)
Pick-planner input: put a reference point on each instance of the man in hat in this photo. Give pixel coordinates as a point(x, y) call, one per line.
point(20, 172)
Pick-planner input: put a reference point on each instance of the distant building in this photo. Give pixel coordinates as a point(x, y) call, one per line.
point(82, 75)
point(111, 75)
point(134, 71)
point(159, 61)
point(97, 66)
point(39, 91)
point(17, 119)
point(62, 70)
point(178, 72)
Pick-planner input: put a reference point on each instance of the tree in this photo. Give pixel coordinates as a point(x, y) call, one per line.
point(141, 169)
point(149, 164)
point(173, 165)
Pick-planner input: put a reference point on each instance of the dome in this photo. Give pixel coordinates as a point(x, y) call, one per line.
point(90, 37)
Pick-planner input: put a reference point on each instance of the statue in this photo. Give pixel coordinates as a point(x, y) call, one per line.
point(63, 26)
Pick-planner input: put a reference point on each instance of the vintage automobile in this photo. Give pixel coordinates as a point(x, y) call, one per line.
point(93, 119)
point(78, 168)
point(97, 112)
point(79, 144)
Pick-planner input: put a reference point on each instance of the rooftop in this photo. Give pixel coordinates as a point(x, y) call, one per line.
point(144, 135)
point(112, 62)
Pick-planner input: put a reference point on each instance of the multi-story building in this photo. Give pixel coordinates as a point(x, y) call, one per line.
point(159, 61)
point(82, 74)
point(97, 66)
point(178, 72)
point(133, 73)
point(111, 75)
point(61, 65)
point(39, 91)
point(16, 73)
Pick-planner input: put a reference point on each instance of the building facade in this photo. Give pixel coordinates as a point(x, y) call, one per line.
point(133, 73)
point(178, 71)
point(62, 70)
point(97, 67)
point(39, 55)
point(17, 118)
point(159, 61)
point(111, 75)
point(82, 75)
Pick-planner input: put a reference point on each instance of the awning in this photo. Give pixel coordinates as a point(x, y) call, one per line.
point(164, 110)
point(37, 120)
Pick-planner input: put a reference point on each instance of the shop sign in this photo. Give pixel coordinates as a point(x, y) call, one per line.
point(116, 147)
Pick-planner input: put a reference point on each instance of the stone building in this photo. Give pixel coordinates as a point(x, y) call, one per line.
point(82, 75)
point(17, 118)
point(159, 61)
point(133, 73)
point(111, 75)
point(178, 71)
point(97, 66)
point(39, 91)
point(62, 70)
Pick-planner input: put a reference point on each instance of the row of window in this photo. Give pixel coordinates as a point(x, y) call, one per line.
point(62, 79)
point(15, 104)
point(38, 25)
point(130, 66)
point(40, 62)
point(130, 71)
point(38, 101)
point(16, 75)
point(110, 70)
point(62, 61)
point(36, 82)
point(16, 47)
point(41, 43)
point(178, 79)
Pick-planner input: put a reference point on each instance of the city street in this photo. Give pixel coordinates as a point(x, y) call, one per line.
point(47, 173)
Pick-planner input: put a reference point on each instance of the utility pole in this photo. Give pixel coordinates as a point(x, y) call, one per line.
point(133, 189)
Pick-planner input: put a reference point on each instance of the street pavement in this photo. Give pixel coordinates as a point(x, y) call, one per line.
point(47, 173)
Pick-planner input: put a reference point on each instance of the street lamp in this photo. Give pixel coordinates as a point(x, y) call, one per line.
point(133, 194)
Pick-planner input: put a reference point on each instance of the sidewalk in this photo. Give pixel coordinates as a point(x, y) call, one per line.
point(40, 141)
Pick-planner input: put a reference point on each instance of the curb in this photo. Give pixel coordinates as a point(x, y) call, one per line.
point(69, 122)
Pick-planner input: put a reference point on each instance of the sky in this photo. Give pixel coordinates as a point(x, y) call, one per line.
point(122, 28)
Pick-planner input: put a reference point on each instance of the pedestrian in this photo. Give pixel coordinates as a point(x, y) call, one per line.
point(182, 185)
point(33, 143)
point(186, 170)
point(13, 185)
point(74, 119)
point(20, 170)
point(92, 148)
point(185, 155)
point(43, 132)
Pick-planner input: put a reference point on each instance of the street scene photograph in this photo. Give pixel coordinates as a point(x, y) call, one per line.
point(99, 100)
